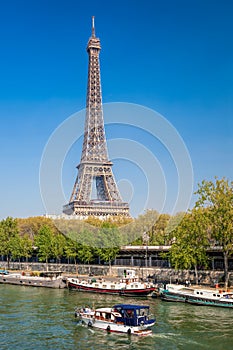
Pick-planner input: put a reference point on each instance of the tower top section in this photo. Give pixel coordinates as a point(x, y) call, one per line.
point(93, 43)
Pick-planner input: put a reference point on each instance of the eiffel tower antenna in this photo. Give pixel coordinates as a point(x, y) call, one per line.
point(93, 26)
point(95, 191)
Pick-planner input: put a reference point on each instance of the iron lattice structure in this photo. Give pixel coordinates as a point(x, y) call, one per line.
point(95, 176)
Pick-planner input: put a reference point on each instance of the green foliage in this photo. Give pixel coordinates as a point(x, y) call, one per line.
point(85, 253)
point(26, 247)
point(108, 243)
point(71, 247)
point(15, 247)
point(81, 246)
point(44, 243)
point(58, 245)
point(31, 226)
point(133, 232)
point(209, 223)
point(9, 238)
point(158, 233)
point(217, 198)
point(112, 221)
point(172, 225)
point(191, 241)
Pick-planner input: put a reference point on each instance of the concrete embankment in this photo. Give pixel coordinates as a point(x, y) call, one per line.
point(206, 277)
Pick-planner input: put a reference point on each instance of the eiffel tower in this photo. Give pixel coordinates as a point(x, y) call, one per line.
point(95, 192)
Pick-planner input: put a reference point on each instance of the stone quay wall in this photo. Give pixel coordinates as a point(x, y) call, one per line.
point(159, 275)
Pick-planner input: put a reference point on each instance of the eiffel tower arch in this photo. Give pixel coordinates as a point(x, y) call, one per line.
point(95, 191)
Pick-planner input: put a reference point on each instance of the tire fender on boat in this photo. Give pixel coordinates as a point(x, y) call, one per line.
point(108, 329)
point(129, 331)
point(89, 324)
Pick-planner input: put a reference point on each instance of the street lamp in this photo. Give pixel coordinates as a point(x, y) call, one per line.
point(145, 238)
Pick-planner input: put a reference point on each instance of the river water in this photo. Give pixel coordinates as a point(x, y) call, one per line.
point(41, 318)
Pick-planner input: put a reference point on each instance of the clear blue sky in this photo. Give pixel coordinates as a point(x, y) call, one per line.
point(175, 57)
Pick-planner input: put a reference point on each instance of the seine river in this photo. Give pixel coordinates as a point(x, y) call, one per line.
point(40, 318)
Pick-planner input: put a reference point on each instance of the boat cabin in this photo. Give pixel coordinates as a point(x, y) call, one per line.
point(132, 315)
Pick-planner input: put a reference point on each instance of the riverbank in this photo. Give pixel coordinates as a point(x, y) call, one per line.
point(159, 275)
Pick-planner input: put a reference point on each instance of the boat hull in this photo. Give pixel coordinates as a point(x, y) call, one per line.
point(219, 303)
point(198, 297)
point(122, 292)
point(173, 297)
point(32, 281)
point(115, 328)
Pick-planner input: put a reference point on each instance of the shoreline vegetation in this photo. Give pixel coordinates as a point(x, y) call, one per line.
point(189, 235)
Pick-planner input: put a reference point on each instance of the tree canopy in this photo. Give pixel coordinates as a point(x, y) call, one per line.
point(217, 197)
point(190, 242)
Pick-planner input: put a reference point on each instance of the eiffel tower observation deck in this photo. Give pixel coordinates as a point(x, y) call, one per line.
point(95, 191)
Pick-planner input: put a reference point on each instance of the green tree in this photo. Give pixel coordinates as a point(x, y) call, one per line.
point(8, 237)
point(26, 246)
point(158, 233)
point(15, 244)
point(81, 245)
point(31, 226)
point(44, 243)
point(172, 224)
point(132, 233)
point(85, 253)
point(71, 247)
point(191, 240)
point(218, 198)
point(108, 243)
point(58, 246)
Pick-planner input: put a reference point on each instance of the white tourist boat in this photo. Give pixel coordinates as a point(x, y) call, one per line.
point(130, 285)
point(197, 295)
point(121, 318)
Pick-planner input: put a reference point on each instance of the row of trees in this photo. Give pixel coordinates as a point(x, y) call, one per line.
point(21, 238)
point(208, 224)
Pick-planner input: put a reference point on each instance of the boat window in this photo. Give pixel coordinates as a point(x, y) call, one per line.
point(143, 312)
point(113, 286)
point(129, 313)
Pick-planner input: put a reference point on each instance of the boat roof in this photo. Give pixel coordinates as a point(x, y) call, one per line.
point(104, 309)
point(131, 307)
